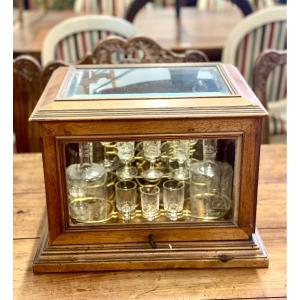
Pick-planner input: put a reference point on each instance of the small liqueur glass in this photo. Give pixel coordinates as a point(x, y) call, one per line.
point(126, 154)
point(152, 150)
point(173, 197)
point(150, 201)
point(181, 152)
point(126, 194)
point(110, 163)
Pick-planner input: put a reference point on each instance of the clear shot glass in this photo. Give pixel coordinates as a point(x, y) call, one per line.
point(173, 197)
point(150, 201)
point(126, 197)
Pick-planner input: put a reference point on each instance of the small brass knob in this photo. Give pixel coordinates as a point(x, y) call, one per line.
point(224, 257)
point(152, 242)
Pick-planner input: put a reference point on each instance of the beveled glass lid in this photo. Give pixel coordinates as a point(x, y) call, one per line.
point(177, 90)
point(146, 82)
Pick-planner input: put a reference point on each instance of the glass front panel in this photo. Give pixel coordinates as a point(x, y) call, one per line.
point(151, 181)
point(140, 82)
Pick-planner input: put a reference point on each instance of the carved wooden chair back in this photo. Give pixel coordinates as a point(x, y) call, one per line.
point(265, 64)
point(71, 39)
point(30, 77)
point(264, 29)
point(117, 50)
point(27, 86)
point(29, 80)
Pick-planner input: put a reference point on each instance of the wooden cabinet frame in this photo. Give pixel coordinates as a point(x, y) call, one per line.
point(60, 233)
point(128, 246)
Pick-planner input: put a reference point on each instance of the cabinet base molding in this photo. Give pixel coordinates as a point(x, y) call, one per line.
point(160, 255)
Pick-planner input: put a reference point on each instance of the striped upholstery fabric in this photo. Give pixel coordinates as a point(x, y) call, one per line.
point(115, 7)
point(75, 46)
point(277, 124)
point(214, 5)
point(256, 5)
point(277, 117)
point(121, 7)
point(71, 39)
point(109, 7)
point(272, 35)
point(86, 6)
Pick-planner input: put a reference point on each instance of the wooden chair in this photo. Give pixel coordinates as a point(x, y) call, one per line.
point(260, 4)
point(30, 77)
point(29, 80)
point(246, 6)
point(117, 50)
point(26, 84)
point(136, 5)
point(265, 63)
point(115, 8)
point(203, 5)
point(223, 5)
point(71, 39)
point(87, 6)
point(264, 29)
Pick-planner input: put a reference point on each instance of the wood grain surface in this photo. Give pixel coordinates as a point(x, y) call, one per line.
point(29, 204)
point(196, 30)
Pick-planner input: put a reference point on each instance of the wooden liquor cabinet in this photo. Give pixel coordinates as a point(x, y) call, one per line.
point(149, 167)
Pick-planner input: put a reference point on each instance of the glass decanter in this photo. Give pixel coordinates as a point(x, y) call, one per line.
point(207, 200)
point(86, 184)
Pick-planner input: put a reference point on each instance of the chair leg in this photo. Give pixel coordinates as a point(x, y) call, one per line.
point(265, 139)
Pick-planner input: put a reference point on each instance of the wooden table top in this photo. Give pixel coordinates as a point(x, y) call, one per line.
point(29, 211)
point(206, 30)
point(197, 31)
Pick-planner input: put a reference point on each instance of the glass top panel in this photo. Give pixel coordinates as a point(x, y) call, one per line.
point(146, 82)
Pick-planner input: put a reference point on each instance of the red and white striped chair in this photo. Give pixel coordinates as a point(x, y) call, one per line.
point(71, 39)
point(223, 5)
point(265, 63)
point(264, 29)
point(260, 4)
point(86, 6)
point(214, 5)
point(107, 7)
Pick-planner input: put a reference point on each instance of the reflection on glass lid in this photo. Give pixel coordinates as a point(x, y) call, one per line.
point(109, 83)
